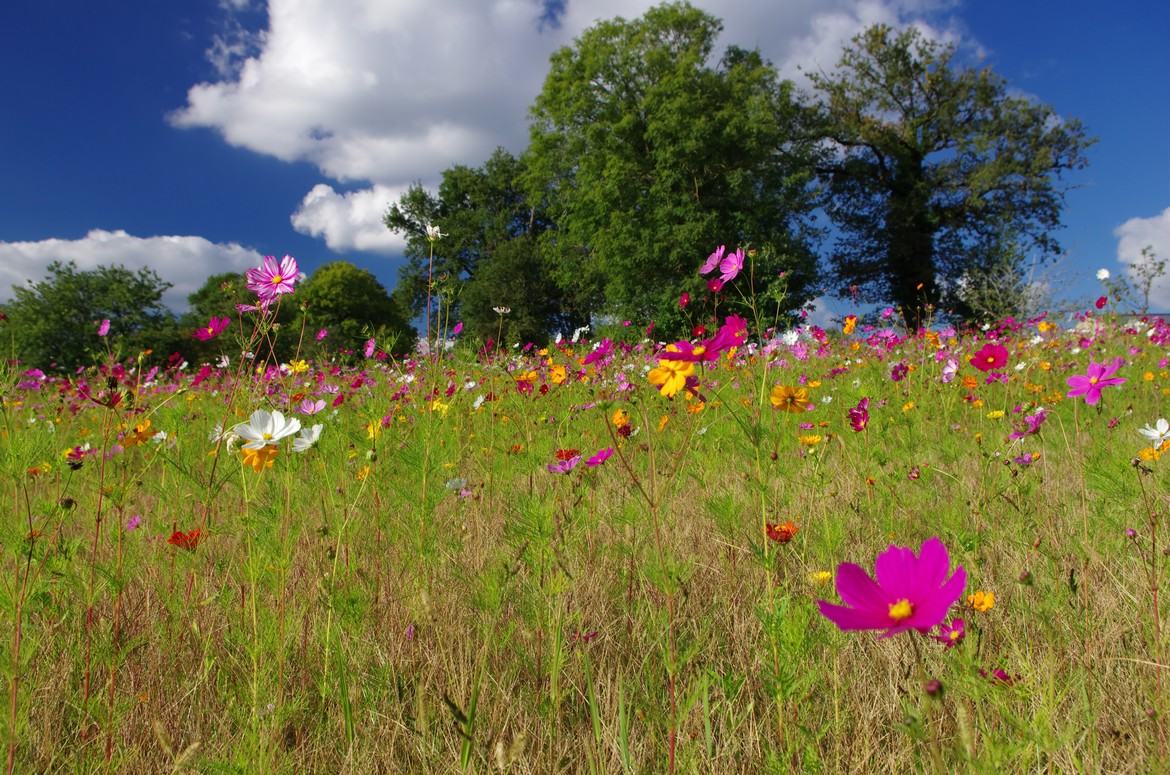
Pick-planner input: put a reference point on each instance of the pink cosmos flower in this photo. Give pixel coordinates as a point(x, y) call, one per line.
point(564, 466)
point(713, 260)
point(950, 369)
point(271, 279)
point(369, 351)
point(324, 332)
point(859, 415)
point(731, 265)
point(1098, 376)
point(910, 592)
point(458, 329)
point(214, 328)
point(992, 356)
point(104, 327)
point(951, 635)
point(309, 406)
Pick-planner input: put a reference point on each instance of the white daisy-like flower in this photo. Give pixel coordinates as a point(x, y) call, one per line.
point(228, 437)
point(307, 438)
point(1158, 433)
point(265, 428)
point(1102, 274)
point(433, 232)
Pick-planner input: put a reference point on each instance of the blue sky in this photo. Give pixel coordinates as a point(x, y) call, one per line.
point(195, 137)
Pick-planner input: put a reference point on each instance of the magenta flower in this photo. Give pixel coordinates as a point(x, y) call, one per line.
point(599, 457)
point(731, 265)
point(859, 415)
point(324, 332)
point(271, 279)
point(104, 327)
point(1098, 376)
point(214, 328)
point(992, 356)
point(714, 285)
point(951, 635)
point(910, 592)
point(713, 260)
point(369, 349)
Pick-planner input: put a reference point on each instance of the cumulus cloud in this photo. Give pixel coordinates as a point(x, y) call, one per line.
point(349, 221)
point(1138, 233)
point(185, 262)
point(391, 92)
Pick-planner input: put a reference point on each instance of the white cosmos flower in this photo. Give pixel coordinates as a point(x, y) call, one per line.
point(264, 428)
point(307, 438)
point(1158, 434)
point(218, 434)
point(433, 232)
point(1102, 274)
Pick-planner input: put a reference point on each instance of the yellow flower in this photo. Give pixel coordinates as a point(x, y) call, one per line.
point(820, 577)
point(982, 601)
point(557, 375)
point(906, 407)
point(1149, 454)
point(373, 429)
point(261, 458)
point(298, 367)
point(671, 376)
point(1148, 376)
point(1044, 326)
point(850, 324)
point(790, 399)
point(996, 414)
point(662, 421)
point(363, 472)
point(811, 440)
point(439, 406)
point(620, 418)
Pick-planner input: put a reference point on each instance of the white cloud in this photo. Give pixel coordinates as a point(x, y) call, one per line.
point(1138, 233)
point(186, 262)
point(349, 221)
point(392, 92)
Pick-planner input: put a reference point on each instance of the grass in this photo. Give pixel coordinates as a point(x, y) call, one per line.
point(418, 593)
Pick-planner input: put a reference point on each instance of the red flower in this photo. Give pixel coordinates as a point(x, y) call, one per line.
point(186, 541)
point(567, 454)
point(992, 356)
point(1102, 301)
point(781, 534)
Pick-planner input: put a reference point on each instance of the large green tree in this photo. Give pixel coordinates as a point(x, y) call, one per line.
point(489, 255)
point(650, 152)
point(55, 320)
point(353, 306)
point(940, 175)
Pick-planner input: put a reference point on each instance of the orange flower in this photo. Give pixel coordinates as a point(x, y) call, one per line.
point(790, 399)
point(259, 459)
point(850, 324)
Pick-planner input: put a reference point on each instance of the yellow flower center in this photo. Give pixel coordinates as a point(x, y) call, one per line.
point(901, 610)
point(699, 349)
point(266, 436)
point(1092, 380)
point(277, 279)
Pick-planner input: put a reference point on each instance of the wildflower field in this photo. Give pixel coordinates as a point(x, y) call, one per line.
point(866, 549)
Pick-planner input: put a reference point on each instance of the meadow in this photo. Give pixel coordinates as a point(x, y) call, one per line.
point(599, 556)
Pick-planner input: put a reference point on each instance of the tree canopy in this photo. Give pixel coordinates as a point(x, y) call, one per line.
point(353, 306)
point(650, 153)
point(940, 177)
point(55, 320)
